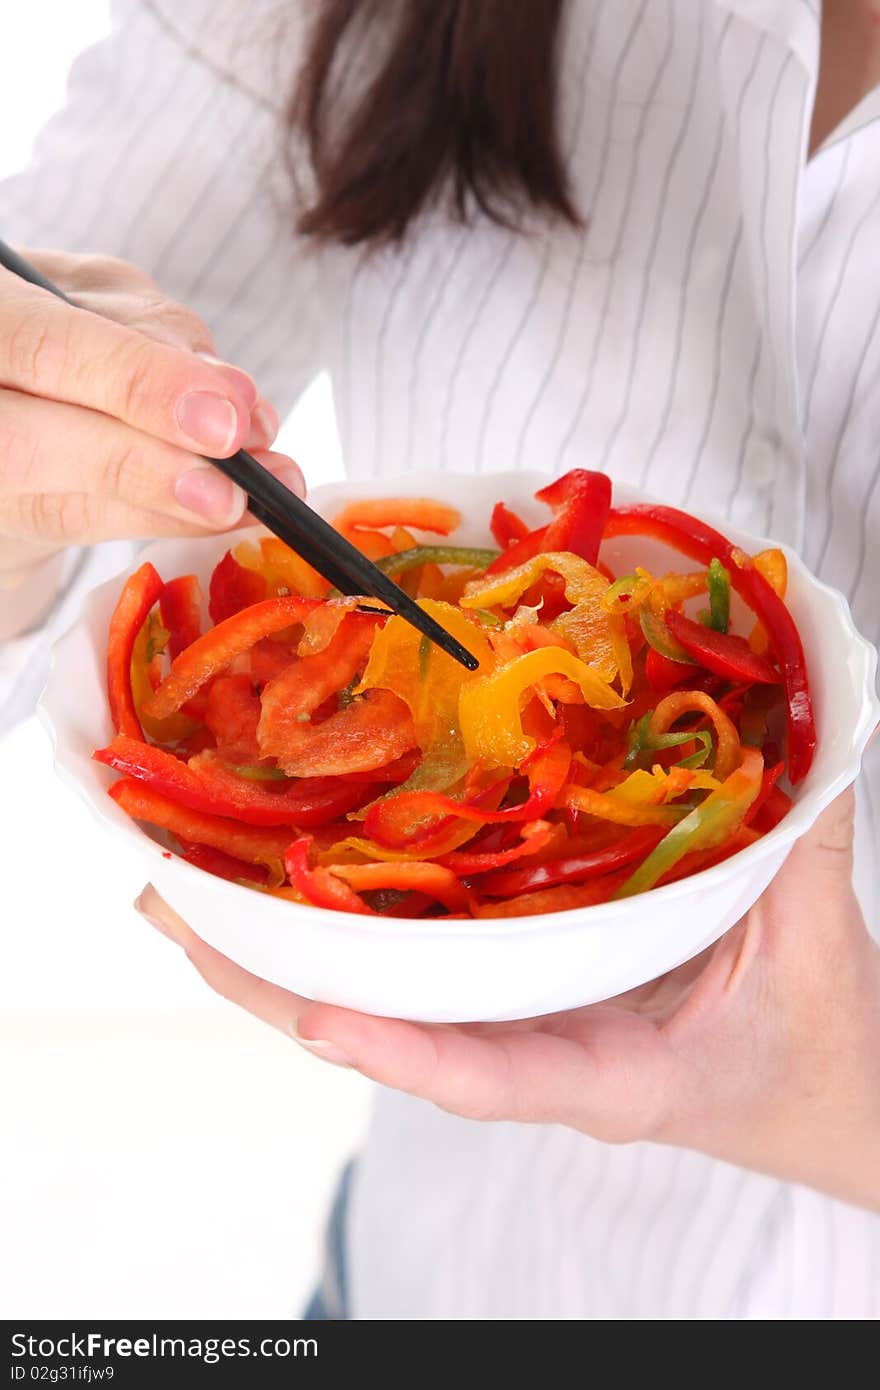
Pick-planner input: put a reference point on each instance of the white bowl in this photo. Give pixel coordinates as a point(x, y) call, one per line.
point(471, 970)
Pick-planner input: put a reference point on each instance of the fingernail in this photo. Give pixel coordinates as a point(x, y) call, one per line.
point(210, 495)
point(319, 1047)
point(243, 383)
point(153, 921)
point(264, 426)
point(291, 478)
point(212, 421)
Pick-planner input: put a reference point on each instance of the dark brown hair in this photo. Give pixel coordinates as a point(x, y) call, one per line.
point(459, 99)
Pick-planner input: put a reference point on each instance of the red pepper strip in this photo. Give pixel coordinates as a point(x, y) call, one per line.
point(431, 879)
point(319, 886)
point(180, 607)
point(506, 526)
point(582, 498)
point(663, 674)
point(233, 588)
point(465, 863)
point(289, 699)
point(559, 899)
point(410, 905)
point(768, 782)
point(265, 660)
point(140, 592)
point(306, 802)
point(723, 653)
point(214, 861)
point(375, 729)
point(390, 822)
point(573, 869)
point(256, 844)
point(702, 543)
point(232, 713)
point(215, 649)
point(205, 784)
point(775, 808)
point(521, 551)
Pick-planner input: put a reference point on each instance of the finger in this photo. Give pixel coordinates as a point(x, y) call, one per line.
point(76, 518)
point(55, 449)
point(118, 290)
point(829, 841)
point(66, 354)
point(601, 1069)
point(264, 426)
point(81, 273)
point(274, 1005)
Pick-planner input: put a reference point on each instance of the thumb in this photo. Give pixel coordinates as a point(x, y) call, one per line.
point(828, 844)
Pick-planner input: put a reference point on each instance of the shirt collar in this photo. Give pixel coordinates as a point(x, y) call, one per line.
point(795, 23)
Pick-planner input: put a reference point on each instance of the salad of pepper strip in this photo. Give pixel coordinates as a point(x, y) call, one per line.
point(617, 735)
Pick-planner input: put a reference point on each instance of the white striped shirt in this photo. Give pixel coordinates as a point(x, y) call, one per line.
point(713, 336)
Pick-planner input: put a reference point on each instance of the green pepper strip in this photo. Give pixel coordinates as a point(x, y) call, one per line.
point(708, 826)
point(255, 773)
point(411, 559)
point(658, 636)
point(719, 596)
point(642, 740)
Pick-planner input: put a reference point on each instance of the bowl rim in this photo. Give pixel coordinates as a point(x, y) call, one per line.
point(798, 820)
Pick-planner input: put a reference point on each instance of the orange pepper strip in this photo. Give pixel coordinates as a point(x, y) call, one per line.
point(420, 512)
point(728, 753)
point(374, 544)
point(407, 875)
point(425, 678)
point(774, 567)
point(281, 567)
point(321, 627)
point(215, 649)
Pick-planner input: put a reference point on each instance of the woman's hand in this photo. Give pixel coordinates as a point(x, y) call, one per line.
point(764, 1051)
point(104, 415)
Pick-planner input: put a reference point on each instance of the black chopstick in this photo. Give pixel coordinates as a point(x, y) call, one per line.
point(295, 523)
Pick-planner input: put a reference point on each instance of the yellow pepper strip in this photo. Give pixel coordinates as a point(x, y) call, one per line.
point(424, 677)
point(728, 754)
point(599, 638)
point(489, 707)
point(643, 797)
point(626, 595)
point(607, 806)
point(774, 567)
point(660, 786)
point(149, 643)
point(581, 581)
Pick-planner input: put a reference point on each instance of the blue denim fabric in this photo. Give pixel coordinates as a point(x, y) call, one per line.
point(329, 1302)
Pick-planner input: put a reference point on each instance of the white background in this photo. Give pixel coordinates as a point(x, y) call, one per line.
point(162, 1155)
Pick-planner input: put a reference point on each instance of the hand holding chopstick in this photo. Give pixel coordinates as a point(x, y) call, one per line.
point(294, 522)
